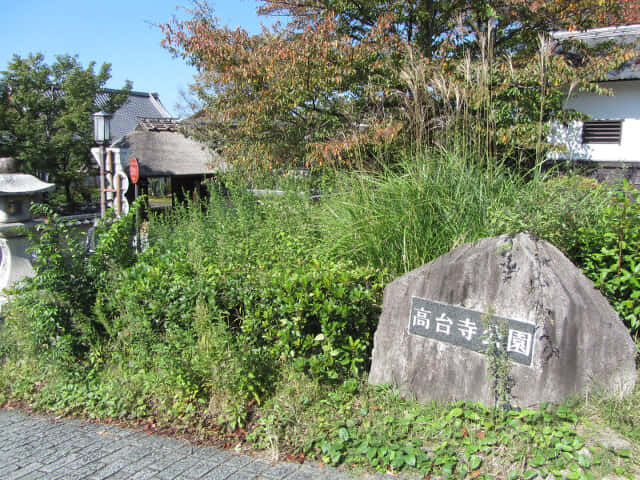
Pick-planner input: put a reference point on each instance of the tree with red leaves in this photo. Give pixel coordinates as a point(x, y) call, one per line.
point(332, 80)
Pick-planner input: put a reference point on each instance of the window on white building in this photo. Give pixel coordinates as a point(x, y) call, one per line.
point(602, 131)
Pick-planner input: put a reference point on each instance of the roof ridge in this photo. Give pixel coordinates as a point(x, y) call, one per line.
point(601, 32)
point(158, 124)
point(155, 100)
point(137, 93)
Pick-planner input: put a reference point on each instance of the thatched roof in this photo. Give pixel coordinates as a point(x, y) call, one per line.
point(162, 151)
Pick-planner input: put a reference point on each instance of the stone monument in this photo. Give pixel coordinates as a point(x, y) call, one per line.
point(561, 334)
point(16, 192)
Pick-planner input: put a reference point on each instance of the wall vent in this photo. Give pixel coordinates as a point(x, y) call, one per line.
point(602, 131)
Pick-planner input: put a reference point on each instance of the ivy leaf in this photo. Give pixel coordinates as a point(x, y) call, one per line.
point(624, 453)
point(583, 461)
point(474, 462)
point(455, 413)
point(372, 452)
point(410, 459)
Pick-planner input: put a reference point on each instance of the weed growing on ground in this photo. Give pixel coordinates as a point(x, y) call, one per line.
point(377, 427)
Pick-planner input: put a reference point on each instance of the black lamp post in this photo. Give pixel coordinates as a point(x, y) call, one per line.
point(102, 135)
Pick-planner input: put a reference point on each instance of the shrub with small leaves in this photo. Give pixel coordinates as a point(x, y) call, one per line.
point(611, 257)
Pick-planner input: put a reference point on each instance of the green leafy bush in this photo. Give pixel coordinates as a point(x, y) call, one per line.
point(255, 264)
point(321, 316)
point(611, 256)
point(232, 286)
point(153, 296)
point(56, 304)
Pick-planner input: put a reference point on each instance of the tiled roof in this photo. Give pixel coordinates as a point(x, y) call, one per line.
point(622, 34)
point(626, 34)
point(139, 105)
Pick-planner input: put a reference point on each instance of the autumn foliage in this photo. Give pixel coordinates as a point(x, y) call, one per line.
point(287, 91)
point(341, 80)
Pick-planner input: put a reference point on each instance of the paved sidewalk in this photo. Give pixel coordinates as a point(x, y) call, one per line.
point(35, 447)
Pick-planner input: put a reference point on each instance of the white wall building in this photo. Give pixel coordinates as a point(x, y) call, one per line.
point(610, 139)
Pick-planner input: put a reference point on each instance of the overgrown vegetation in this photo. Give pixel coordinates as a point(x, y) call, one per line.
point(253, 316)
point(376, 427)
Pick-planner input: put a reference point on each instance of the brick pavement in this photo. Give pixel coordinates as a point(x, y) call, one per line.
point(43, 448)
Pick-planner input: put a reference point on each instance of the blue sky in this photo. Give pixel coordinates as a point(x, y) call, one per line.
point(117, 32)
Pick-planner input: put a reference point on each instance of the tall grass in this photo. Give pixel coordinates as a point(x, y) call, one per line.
point(401, 218)
point(404, 217)
point(474, 126)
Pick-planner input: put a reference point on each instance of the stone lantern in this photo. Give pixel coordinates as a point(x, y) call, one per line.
point(16, 192)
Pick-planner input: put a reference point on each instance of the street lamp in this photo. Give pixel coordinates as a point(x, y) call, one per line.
point(102, 135)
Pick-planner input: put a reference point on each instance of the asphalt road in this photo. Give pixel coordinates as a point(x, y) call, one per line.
point(45, 448)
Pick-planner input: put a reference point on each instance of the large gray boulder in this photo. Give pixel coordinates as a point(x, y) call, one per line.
point(564, 337)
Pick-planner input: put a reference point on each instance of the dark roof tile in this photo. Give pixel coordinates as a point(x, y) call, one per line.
point(139, 105)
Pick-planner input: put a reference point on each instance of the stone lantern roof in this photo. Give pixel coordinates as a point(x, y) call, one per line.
point(12, 184)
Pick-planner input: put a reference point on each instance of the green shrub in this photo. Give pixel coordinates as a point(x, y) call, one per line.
point(55, 304)
point(321, 316)
point(610, 256)
point(54, 308)
point(254, 260)
point(49, 333)
point(152, 296)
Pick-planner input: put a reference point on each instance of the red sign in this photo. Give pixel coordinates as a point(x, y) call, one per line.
point(133, 170)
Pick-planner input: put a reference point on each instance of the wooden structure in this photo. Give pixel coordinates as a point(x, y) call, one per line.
point(162, 151)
